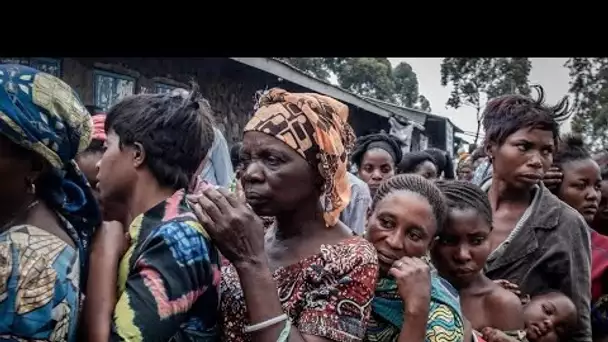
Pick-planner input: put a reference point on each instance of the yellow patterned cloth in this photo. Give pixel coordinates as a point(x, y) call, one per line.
point(316, 127)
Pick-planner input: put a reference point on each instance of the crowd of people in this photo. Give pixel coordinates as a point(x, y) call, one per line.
point(140, 224)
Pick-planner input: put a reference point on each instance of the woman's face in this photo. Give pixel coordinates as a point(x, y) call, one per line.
point(465, 173)
point(376, 166)
point(522, 160)
point(402, 224)
point(87, 163)
point(461, 251)
point(581, 187)
point(427, 169)
point(601, 218)
point(116, 170)
point(275, 178)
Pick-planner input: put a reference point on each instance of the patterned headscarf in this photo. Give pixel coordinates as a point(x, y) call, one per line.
point(316, 127)
point(43, 114)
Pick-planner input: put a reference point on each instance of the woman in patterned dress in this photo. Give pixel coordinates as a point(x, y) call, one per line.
point(412, 303)
point(308, 278)
point(47, 210)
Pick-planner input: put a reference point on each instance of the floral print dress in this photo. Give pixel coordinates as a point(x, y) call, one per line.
point(327, 295)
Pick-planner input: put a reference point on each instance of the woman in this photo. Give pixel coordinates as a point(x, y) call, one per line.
point(600, 221)
point(465, 170)
point(309, 278)
point(420, 163)
point(538, 242)
point(445, 166)
point(376, 157)
point(408, 211)
point(48, 211)
point(580, 188)
point(460, 255)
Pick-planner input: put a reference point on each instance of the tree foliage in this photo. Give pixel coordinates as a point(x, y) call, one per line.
point(474, 80)
point(368, 76)
point(589, 87)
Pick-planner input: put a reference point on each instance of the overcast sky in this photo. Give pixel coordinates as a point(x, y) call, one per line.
point(548, 72)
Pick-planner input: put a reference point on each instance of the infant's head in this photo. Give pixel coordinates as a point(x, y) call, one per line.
point(548, 317)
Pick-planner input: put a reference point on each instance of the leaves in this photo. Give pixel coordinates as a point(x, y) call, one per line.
point(589, 86)
point(474, 80)
point(368, 76)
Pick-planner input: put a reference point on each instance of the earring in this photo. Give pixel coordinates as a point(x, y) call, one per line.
point(31, 187)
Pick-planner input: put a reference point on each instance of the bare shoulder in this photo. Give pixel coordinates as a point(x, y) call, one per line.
point(508, 309)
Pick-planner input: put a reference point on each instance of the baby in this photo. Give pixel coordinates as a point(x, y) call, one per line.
point(548, 318)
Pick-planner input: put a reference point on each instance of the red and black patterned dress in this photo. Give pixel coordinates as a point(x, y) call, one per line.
point(328, 294)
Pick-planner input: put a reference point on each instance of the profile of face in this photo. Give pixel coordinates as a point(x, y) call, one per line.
point(117, 170)
point(581, 187)
point(549, 316)
point(274, 177)
point(524, 157)
point(462, 248)
point(87, 163)
point(401, 224)
point(427, 169)
point(377, 165)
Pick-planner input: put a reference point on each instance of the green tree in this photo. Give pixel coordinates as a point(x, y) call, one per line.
point(589, 87)
point(406, 85)
point(474, 80)
point(315, 66)
point(371, 77)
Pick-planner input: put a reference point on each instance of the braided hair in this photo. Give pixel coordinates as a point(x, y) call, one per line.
point(464, 195)
point(378, 140)
point(418, 185)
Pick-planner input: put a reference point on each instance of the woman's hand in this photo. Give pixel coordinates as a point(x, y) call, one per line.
point(553, 177)
point(413, 277)
point(507, 285)
point(235, 229)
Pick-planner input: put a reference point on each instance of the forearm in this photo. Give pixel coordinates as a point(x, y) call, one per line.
point(101, 297)
point(260, 291)
point(414, 327)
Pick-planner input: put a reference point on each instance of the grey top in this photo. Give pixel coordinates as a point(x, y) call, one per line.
point(549, 249)
point(355, 214)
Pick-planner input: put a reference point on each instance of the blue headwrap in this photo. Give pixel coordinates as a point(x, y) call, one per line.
point(43, 114)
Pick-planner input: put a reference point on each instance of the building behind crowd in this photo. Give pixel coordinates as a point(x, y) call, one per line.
point(231, 86)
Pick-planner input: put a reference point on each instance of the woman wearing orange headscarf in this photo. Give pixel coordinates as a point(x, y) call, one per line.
point(309, 278)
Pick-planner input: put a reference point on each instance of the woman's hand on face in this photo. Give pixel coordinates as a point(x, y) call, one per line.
point(235, 229)
point(111, 239)
point(413, 277)
point(553, 177)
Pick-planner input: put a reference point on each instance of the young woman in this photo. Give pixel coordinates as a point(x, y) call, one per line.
point(376, 157)
point(420, 163)
point(47, 210)
point(538, 242)
point(580, 187)
point(309, 278)
point(460, 254)
point(411, 302)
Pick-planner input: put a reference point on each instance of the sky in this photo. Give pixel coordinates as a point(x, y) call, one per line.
point(548, 72)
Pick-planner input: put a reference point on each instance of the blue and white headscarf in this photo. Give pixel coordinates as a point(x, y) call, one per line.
point(43, 114)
